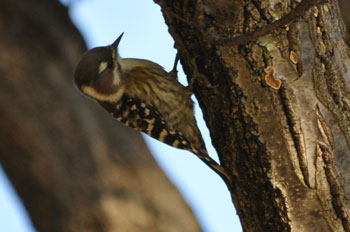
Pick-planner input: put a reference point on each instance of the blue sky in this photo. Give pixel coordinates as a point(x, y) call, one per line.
point(146, 36)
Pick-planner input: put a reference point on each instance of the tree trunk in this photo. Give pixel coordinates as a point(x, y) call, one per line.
point(344, 6)
point(75, 168)
point(278, 109)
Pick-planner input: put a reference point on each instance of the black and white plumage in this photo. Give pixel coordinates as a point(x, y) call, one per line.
point(136, 114)
point(142, 95)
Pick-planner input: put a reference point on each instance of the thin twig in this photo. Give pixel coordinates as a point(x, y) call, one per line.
point(247, 37)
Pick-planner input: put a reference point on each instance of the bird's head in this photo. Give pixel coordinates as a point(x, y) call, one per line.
point(98, 73)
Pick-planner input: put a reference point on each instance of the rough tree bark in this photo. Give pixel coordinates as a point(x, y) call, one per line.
point(278, 109)
point(344, 6)
point(75, 168)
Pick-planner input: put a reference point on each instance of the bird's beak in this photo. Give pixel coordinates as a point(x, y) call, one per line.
point(116, 42)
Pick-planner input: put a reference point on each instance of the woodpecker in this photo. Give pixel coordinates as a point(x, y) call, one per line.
point(142, 95)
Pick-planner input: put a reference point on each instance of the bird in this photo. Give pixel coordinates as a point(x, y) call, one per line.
point(142, 95)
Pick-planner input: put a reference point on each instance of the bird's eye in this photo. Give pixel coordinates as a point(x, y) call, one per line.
point(110, 64)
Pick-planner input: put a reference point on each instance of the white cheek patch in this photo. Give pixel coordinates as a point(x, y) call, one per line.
point(114, 97)
point(102, 67)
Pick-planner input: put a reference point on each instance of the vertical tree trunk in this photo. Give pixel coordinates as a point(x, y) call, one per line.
point(75, 168)
point(344, 6)
point(278, 109)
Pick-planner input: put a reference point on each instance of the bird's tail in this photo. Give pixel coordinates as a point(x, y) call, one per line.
point(211, 163)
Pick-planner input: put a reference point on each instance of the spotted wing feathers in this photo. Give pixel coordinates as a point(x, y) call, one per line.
point(144, 117)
